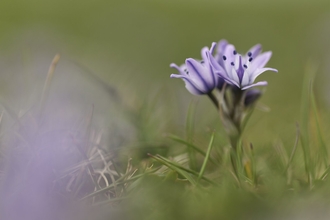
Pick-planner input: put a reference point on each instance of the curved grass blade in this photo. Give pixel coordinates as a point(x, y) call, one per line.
point(120, 181)
point(201, 173)
point(194, 147)
point(176, 168)
point(167, 161)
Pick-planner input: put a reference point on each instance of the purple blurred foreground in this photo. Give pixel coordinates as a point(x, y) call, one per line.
point(46, 153)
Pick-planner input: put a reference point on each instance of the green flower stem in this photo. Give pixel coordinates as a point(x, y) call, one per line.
point(235, 133)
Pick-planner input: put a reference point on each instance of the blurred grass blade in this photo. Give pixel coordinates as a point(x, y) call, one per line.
point(180, 140)
point(189, 135)
point(176, 168)
point(325, 174)
point(9, 110)
point(294, 149)
point(88, 130)
point(120, 181)
point(201, 173)
point(182, 168)
point(320, 138)
point(47, 84)
point(305, 119)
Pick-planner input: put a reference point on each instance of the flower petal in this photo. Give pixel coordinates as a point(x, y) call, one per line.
point(190, 86)
point(216, 66)
point(180, 69)
point(222, 45)
point(245, 79)
point(240, 69)
point(209, 75)
point(218, 70)
point(230, 57)
point(197, 74)
point(260, 61)
point(228, 80)
point(255, 51)
point(261, 83)
point(212, 47)
point(257, 72)
point(220, 51)
point(251, 97)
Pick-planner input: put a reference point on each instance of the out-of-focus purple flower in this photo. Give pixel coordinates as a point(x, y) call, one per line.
point(240, 70)
point(199, 76)
point(251, 96)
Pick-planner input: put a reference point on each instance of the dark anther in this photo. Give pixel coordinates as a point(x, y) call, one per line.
point(202, 61)
point(224, 58)
point(232, 63)
point(250, 59)
point(249, 54)
point(245, 66)
point(234, 52)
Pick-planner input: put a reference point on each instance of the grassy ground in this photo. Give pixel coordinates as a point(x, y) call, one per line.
point(107, 134)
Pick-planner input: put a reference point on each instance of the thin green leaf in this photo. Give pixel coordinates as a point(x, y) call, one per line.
point(183, 168)
point(189, 135)
point(325, 174)
point(294, 149)
point(176, 168)
point(201, 173)
point(194, 147)
point(304, 131)
point(318, 127)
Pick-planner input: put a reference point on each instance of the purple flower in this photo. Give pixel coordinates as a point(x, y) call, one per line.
point(198, 76)
point(240, 70)
point(251, 97)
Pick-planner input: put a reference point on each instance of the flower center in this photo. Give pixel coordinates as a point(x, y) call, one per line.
point(233, 62)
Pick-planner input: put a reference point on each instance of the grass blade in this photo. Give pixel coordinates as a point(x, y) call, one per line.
point(294, 149)
point(320, 138)
point(120, 181)
point(189, 135)
point(194, 147)
point(176, 168)
point(46, 88)
point(182, 168)
point(201, 173)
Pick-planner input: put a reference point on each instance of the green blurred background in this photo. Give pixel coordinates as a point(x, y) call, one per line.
point(130, 44)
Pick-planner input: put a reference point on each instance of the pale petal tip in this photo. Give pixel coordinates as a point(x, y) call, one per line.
point(223, 41)
point(212, 47)
point(173, 65)
point(175, 76)
point(261, 83)
point(271, 69)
